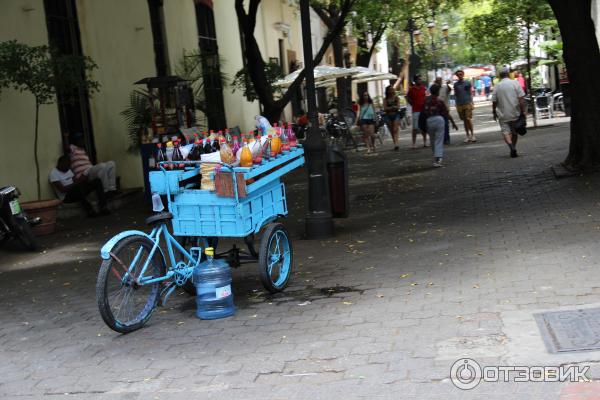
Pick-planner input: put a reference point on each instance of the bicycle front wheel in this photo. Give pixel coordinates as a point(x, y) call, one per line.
point(124, 302)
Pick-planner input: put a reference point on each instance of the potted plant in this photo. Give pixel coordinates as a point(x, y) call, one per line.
point(44, 72)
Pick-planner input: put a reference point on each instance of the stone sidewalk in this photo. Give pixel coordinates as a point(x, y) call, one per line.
point(434, 265)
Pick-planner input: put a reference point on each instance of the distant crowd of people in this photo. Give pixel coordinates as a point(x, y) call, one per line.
point(431, 117)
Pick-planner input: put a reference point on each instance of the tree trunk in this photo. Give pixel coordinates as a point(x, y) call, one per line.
point(582, 58)
point(272, 112)
point(341, 83)
point(363, 59)
point(35, 151)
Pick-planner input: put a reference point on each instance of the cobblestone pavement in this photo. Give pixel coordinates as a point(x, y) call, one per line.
point(433, 265)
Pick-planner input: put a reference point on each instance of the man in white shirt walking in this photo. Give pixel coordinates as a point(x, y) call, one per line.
point(508, 103)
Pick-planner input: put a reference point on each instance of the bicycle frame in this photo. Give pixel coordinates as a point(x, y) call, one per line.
point(155, 236)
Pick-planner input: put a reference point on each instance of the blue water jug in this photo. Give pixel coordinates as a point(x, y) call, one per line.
point(212, 278)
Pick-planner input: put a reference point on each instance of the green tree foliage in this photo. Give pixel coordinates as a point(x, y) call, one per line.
point(242, 82)
point(44, 73)
point(501, 33)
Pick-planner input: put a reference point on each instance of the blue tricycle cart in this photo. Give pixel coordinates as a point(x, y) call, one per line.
point(140, 270)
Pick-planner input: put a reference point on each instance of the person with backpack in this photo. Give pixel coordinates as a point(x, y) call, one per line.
point(432, 121)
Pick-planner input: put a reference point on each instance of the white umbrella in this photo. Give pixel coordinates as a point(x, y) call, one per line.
point(381, 76)
point(326, 83)
point(321, 72)
point(363, 72)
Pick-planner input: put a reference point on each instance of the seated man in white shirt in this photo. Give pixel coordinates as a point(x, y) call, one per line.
point(71, 189)
point(81, 164)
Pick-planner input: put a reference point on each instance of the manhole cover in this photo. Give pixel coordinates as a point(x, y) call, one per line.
point(572, 330)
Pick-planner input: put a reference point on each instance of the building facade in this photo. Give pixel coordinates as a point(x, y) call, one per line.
point(128, 40)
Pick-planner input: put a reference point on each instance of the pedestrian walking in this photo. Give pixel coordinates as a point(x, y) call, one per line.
point(391, 107)
point(366, 120)
point(521, 80)
point(444, 96)
point(436, 112)
point(508, 104)
point(487, 86)
point(416, 99)
point(464, 104)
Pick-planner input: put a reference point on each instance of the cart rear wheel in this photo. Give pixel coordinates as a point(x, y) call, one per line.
point(275, 258)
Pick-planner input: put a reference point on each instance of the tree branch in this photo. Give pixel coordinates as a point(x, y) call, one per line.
point(341, 22)
point(326, 18)
point(377, 37)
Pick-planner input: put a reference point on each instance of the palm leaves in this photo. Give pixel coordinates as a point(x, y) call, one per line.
point(138, 117)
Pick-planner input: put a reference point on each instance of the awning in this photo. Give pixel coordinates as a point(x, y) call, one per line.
point(321, 72)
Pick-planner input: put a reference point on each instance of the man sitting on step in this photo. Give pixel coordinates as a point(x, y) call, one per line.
point(71, 189)
point(82, 166)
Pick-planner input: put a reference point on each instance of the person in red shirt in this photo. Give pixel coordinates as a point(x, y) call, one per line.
point(416, 99)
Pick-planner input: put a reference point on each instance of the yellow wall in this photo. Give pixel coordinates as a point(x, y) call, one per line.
point(17, 109)
point(181, 29)
point(238, 110)
point(117, 36)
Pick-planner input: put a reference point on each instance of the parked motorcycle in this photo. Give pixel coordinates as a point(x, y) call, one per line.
point(13, 220)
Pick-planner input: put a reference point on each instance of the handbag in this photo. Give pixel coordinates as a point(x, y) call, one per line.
point(520, 125)
point(423, 115)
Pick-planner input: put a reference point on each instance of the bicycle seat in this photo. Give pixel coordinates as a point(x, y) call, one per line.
point(163, 216)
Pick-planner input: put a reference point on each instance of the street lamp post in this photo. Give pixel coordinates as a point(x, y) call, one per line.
point(430, 28)
point(445, 29)
point(413, 64)
point(319, 223)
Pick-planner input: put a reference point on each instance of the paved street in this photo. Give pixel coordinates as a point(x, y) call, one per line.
point(434, 265)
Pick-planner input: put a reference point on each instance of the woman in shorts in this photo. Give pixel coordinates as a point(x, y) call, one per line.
point(391, 106)
point(366, 120)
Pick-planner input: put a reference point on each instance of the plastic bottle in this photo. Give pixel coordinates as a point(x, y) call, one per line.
point(228, 137)
point(196, 150)
point(177, 156)
point(214, 297)
point(227, 155)
point(160, 154)
point(275, 144)
point(246, 156)
point(207, 146)
point(266, 149)
point(215, 142)
point(169, 154)
point(285, 145)
point(291, 137)
point(235, 145)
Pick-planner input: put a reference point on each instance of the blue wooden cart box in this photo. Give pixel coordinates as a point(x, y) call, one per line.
point(204, 213)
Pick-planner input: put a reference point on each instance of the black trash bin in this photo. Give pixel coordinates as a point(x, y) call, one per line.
point(337, 170)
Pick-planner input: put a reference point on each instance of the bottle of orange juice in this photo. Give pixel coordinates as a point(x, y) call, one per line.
point(246, 156)
point(275, 144)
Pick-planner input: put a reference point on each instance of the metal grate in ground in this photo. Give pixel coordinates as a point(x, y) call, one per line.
point(570, 330)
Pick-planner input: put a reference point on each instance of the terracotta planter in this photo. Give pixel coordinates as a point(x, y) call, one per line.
point(46, 210)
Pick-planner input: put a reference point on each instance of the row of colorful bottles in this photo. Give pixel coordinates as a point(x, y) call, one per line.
point(248, 151)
